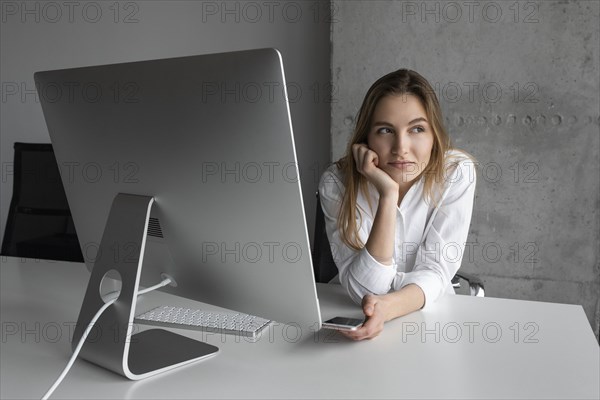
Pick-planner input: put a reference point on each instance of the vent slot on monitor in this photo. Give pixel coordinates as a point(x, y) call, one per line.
point(154, 228)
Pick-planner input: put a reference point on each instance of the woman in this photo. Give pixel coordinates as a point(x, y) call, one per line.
point(398, 205)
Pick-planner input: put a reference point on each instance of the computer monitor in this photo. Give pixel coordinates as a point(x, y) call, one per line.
point(184, 167)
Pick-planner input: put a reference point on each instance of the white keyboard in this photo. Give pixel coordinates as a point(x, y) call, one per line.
point(206, 321)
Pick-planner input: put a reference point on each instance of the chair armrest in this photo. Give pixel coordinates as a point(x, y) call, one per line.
point(475, 284)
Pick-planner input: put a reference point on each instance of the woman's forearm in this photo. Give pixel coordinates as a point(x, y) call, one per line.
point(381, 238)
point(404, 301)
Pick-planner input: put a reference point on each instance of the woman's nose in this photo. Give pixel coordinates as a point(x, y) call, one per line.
point(400, 145)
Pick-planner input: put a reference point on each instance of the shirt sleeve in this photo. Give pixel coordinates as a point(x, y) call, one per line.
point(440, 254)
point(359, 272)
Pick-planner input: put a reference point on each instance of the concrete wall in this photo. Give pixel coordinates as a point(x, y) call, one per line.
point(40, 35)
point(519, 87)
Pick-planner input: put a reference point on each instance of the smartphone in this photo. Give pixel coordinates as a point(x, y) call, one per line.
point(343, 323)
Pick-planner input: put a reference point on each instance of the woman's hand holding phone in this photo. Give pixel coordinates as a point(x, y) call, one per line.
point(375, 310)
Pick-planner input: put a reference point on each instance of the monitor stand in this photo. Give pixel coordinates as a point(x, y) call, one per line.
point(112, 344)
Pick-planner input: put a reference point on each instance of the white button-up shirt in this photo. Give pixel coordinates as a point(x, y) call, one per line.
point(429, 241)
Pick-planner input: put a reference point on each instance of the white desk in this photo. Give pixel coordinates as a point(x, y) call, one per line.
point(506, 349)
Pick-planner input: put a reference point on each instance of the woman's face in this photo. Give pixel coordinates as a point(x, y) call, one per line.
point(401, 136)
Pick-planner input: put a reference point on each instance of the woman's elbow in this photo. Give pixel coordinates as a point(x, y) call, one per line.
point(356, 289)
point(351, 287)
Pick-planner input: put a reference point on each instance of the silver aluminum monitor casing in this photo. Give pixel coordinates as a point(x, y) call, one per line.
point(209, 139)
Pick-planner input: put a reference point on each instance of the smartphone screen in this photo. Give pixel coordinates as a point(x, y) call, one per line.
point(343, 323)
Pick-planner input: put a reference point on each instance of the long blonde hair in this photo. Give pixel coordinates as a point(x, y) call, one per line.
point(400, 82)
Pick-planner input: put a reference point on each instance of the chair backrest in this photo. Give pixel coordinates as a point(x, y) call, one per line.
point(39, 223)
point(323, 264)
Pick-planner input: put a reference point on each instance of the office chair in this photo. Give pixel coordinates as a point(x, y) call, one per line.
point(325, 269)
point(39, 223)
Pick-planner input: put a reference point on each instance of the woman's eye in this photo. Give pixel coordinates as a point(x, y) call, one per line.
point(418, 129)
point(384, 130)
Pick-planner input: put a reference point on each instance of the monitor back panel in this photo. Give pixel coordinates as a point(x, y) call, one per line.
point(210, 137)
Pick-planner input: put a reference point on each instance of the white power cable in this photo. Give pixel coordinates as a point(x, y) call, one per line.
point(87, 331)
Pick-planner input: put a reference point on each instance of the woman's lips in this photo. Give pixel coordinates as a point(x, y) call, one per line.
point(402, 164)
